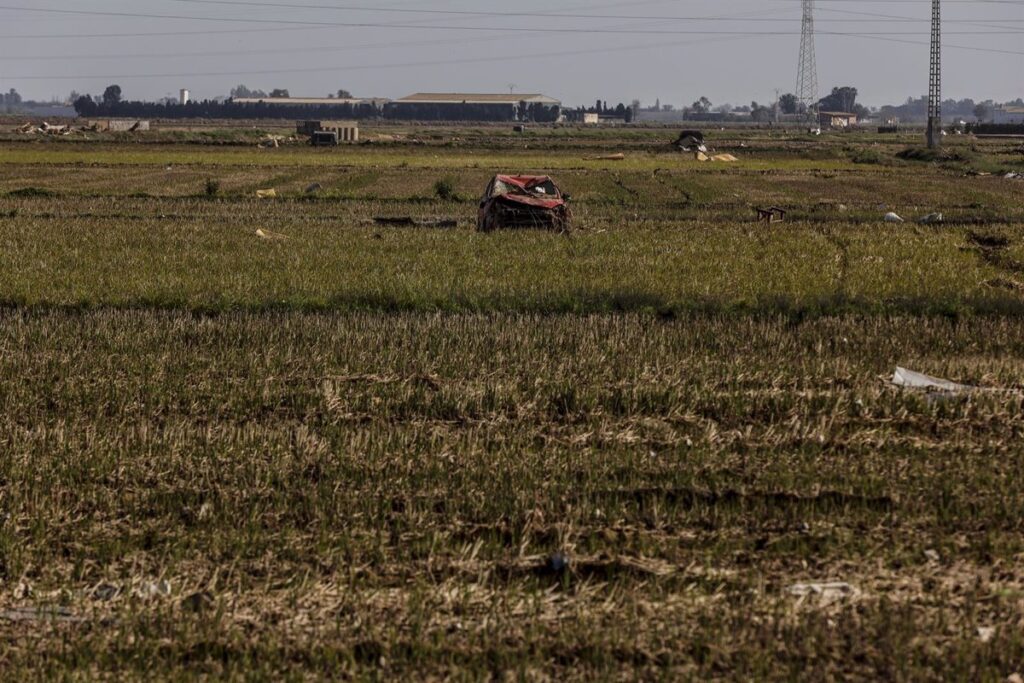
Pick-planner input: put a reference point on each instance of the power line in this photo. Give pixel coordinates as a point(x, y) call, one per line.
point(554, 30)
point(484, 13)
point(452, 62)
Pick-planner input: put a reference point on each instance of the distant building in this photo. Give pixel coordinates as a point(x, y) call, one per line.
point(1004, 115)
point(587, 118)
point(836, 119)
point(474, 107)
point(119, 125)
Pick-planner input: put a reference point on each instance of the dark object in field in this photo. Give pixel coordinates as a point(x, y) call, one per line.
point(772, 214)
point(324, 138)
point(988, 241)
point(410, 222)
point(519, 129)
point(523, 202)
point(558, 564)
point(888, 130)
point(691, 141)
point(314, 188)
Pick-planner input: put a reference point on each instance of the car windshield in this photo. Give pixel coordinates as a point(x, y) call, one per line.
point(545, 188)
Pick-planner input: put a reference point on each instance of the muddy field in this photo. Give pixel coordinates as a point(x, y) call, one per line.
point(273, 438)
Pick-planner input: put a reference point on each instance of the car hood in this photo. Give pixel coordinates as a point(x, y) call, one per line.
point(527, 197)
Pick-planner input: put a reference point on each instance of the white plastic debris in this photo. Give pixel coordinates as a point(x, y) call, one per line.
point(826, 592)
point(153, 589)
point(915, 380)
point(268, 235)
point(986, 633)
point(893, 218)
point(931, 218)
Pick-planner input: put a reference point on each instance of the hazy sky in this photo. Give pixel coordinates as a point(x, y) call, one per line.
point(643, 49)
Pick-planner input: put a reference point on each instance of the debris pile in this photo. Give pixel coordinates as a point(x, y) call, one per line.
point(691, 141)
point(45, 129)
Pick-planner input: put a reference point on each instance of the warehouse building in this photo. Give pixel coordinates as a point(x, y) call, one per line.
point(1007, 115)
point(474, 107)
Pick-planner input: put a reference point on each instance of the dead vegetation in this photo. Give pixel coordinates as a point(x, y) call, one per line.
point(280, 438)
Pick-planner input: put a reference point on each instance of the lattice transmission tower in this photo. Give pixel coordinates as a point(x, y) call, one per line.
point(807, 74)
point(935, 80)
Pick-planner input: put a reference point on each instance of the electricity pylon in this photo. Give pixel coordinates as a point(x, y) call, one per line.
point(807, 74)
point(935, 80)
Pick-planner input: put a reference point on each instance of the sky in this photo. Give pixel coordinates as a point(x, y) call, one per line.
point(731, 51)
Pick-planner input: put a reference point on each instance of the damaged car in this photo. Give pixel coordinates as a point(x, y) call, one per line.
point(512, 202)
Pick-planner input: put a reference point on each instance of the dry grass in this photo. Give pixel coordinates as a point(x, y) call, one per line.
point(357, 452)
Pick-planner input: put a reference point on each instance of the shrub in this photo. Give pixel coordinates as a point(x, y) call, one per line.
point(444, 189)
point(212, 187)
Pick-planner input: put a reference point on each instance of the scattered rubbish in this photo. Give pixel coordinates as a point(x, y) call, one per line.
point(270, 142)
point(690, 141)
point(931, 219)
point(314, 188)
point(931, 555)
point(826, 592)
point(915, 380)
point(1015, 678)
point(842, 208)
point(986, 633)
point(519, 128)
point(44, 129)
point(1014, 176)
point(610, 157)
point(266, 194)
point(153, 589)
point(772, 214)
point(524, 202)
point(61, 614)
point(410, 222)
point(728, 158)
point(978, 174)
point(893, 218)
point(267, 235)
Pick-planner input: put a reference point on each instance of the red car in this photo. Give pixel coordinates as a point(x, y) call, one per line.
point(524, 202)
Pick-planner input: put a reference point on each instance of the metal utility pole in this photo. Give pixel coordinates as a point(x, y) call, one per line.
point(935, 80)
point(807, 74)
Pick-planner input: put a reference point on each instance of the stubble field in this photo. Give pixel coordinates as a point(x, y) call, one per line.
point(358, 451)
